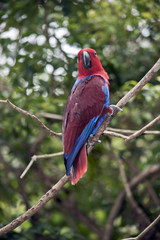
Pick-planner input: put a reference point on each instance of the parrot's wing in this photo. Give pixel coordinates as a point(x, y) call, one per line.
point(84, 109)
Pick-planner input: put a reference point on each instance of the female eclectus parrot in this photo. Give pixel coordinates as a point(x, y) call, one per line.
point(86, 108)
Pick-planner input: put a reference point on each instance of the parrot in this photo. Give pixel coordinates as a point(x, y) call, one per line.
point(86, 108)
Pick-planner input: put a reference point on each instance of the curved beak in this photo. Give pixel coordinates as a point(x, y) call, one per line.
point(86, 59)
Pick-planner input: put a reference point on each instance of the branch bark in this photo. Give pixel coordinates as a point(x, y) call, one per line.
point(114, 134)
point(50, 115)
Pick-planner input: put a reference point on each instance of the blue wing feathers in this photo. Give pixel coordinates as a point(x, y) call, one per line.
point(106, 92)
point(106, 104)
point(98, 124)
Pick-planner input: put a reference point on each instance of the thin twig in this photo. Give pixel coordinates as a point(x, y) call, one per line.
point(50, 115)
point(35, 157)
point(32, 116)
point(142, 130)
point(114, 134)
point(128, 131)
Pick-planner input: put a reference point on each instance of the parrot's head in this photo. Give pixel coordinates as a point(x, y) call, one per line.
point(89, 64)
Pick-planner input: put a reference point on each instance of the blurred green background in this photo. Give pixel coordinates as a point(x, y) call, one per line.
point(39, 41)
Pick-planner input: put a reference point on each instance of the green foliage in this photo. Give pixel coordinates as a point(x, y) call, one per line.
point(39, 41)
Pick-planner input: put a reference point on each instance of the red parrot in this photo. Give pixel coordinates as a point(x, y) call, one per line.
point(86, 108)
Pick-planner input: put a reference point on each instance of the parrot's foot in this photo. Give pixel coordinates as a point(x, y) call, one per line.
point(114, 107)
point(90, 140)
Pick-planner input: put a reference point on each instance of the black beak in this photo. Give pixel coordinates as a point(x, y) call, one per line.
point(86, 60)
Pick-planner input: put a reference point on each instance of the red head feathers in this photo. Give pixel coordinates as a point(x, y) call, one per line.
point(89, 64)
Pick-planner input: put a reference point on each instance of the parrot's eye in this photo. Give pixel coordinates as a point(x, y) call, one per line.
point(95, 54)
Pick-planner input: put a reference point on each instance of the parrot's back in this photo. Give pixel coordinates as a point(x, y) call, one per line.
point(85, 108)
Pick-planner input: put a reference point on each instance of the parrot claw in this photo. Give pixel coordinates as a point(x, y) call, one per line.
point(90, 140)
point(115, 107)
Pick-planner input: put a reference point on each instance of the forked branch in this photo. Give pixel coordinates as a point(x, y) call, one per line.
point(35, 157)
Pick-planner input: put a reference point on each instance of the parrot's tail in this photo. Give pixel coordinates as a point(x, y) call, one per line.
point(79, 165)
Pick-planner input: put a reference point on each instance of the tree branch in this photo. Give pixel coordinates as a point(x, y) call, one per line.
point(35, 157)
point(142, 130)
point(149, 75)
point(146, 230)
point(114, 134)
point(128, 131)
point(43, 200)
point(32, 116)
point(50, 115)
